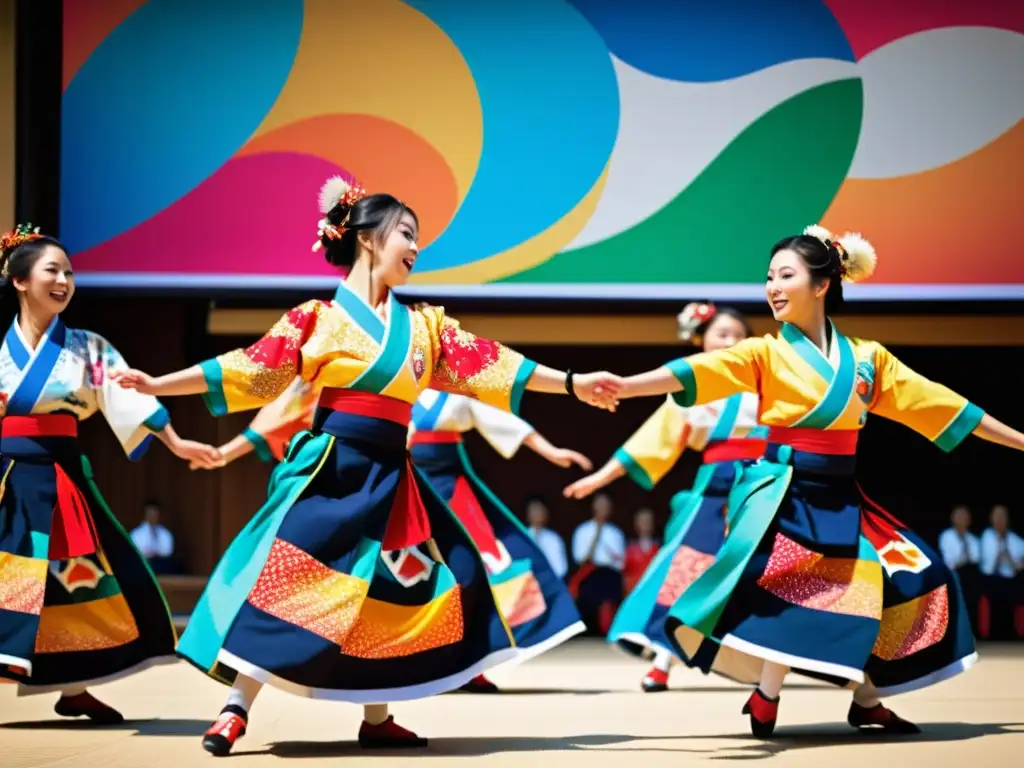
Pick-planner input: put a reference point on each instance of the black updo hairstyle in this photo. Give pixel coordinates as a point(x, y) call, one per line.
point(17, 263)
point(823, 261)
point(378, 214)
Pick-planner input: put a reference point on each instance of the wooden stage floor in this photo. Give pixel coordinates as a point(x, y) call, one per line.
point(579, 705)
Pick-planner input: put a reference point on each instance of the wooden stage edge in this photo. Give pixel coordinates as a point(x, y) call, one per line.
point(621, 330)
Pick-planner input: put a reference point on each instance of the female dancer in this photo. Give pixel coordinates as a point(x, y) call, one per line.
point(355, 582)
point(78, 603)
point(814, 576)
point(727, 433)
point(535, 603)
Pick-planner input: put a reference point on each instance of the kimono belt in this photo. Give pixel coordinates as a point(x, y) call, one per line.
point(738, 449)
point(434, 437)
point(816, 451)
point(72, 533)
point(350, 415)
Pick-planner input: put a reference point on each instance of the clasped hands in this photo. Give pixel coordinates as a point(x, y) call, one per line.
point(600, 389)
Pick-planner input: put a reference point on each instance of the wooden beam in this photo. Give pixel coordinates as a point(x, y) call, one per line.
point(618, 330)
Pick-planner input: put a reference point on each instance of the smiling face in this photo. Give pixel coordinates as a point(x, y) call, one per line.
point(723, 332)
point(394, 255)
point(50, 283)
point(790, 289)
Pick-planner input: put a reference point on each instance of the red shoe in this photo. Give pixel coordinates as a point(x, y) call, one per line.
point(388, 735)
point(228, 729)
point(880, 717)
point(480, 684)
point(86, 704)
point(655, 681)
point(763, 713)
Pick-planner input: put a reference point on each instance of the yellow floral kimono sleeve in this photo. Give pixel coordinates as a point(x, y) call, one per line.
point(656, 446)
point(256, 375)
point(930, 409)
point(473, 366)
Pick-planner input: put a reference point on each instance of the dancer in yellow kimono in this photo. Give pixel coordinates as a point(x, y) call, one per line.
point(355, 582)
point(814, 576)
point(727, 433)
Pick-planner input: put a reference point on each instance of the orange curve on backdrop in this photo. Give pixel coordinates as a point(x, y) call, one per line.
point(383, 156)
point(86, 25)
point(947, 225)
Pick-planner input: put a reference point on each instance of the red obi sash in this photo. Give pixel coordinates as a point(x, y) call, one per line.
point(834, 442)
point(434, 436)
point(365, 404)
point(739, 449)
point(72, 533)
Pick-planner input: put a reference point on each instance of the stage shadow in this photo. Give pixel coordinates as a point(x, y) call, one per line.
point(835, 734)
point(478, 746)
point(535, 692)
point(786, 740)
point(148, 727)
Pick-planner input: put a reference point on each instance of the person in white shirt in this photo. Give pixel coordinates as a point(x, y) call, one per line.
point(1002, 560)
point(550, 543)
point(961, 552)
point(599, 549)
point(154, 541)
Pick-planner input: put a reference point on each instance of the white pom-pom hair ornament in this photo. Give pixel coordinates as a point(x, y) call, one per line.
point(331, 193)
point(818, 231)
point(857, 256)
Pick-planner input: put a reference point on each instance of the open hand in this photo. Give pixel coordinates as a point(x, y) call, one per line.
point(198, 455)
point(564, 457)
point(134, 379)
point(600, 389)
point(583, 487)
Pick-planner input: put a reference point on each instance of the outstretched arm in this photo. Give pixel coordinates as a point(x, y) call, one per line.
point(189, 381)
point(660, 381)
point(609, 473)
point(995, 431)
point(562, 457)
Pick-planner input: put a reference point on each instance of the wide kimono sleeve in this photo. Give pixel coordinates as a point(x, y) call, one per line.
point(656, 446)
point(276, 423)
point(710, 376)
point(133, 417)
point(255, 376)
point(932, 410)
point(476, 367)
point(505, 431)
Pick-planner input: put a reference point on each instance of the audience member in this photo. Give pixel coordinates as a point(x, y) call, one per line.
point(599, 549)
point(154, 541)
point(641, 550)
point(1002, 560)
point(550, 543)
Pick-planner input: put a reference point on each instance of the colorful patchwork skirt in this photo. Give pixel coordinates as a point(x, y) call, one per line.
point(535, 602)
point(354, 582)
point(693, 535)
point(78, 603)
point(816, 577)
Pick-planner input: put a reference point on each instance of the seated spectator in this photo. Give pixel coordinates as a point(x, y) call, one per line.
point(154, 541)
point(1002, 560)
point(599, 549)
point(641, 550)
point(550, 543)
point(961, 551)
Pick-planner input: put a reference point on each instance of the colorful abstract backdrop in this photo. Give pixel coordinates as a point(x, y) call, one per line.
point(550, 147)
